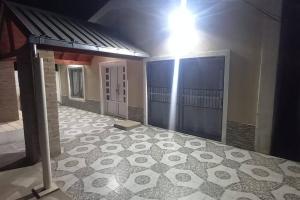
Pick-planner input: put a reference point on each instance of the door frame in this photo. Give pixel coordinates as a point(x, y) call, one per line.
point(58, 84)
point(101, 82)
point(224, 53)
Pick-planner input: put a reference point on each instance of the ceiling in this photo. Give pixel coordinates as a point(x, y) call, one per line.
point(80, 9)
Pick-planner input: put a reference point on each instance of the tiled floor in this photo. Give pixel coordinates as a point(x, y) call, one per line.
point(17, 184)
point(12, 144)
point(12, 126)
point(102, 162)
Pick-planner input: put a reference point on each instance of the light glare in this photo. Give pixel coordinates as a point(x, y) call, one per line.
point(183, 34)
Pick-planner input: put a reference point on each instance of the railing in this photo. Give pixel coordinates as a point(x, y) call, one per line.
point(203, 98)
point(159, 94)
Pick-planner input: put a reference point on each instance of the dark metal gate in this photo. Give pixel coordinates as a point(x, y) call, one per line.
point(199, 106)
point(159, 77)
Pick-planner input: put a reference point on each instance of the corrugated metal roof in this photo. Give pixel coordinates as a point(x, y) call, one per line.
point(56, 30)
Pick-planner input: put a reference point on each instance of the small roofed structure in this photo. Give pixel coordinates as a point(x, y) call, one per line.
point(21, 24)
point(26, 32)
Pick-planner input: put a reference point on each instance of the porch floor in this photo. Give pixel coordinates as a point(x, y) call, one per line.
point(12, 144)
point(99, 161)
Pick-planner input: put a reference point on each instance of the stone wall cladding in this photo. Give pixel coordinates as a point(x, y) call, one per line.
point(88, 105)
point(52, 108)
point(8, 97)
point(136, 114)
point(240, 135)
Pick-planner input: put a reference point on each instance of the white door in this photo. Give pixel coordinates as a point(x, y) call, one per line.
point(115, 89)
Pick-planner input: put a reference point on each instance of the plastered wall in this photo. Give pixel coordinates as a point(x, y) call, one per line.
point(221, 25)
point(92, 81)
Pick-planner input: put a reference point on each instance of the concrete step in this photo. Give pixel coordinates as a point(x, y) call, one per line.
point(126, 124)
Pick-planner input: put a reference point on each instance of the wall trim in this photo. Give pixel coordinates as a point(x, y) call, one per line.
point(225, 53)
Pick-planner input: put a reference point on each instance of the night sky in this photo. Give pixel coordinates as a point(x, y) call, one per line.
point(81, 9)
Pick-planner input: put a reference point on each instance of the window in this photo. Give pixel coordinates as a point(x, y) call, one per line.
point(76, 82)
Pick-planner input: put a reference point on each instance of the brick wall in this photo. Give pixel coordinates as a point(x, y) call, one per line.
point(136, 114)
point(240, 135)
point(51, 96)
point(8, 94)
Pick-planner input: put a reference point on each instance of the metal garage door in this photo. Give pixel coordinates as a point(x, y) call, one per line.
point(159, 76)
point(199, 95)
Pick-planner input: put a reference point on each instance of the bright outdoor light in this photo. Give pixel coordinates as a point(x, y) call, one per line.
point(183, 34)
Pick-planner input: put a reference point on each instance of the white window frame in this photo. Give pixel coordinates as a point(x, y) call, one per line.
point(83, 82)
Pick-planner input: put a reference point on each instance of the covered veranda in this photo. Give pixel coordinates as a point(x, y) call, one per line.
point(27, 33)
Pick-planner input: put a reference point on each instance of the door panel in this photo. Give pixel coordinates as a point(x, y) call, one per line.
point(122, 91)
point(116, 89)
point(160, 77)
point(201, 89)
point(113, 82)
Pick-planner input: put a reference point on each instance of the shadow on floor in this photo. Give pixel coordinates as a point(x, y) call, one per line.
point(12, 161)
point(59, 195)
point(18, 184)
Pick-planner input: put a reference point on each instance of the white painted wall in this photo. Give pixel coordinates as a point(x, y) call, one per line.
point(251, 36)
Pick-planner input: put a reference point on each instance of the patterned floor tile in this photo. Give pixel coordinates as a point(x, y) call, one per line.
point(65, 182)
point(71, 164)
point(204, 156)
point(197, 196)
point(141, 180)
point(261, 173)
point(223, 176)
point(140, 146)
point(185, 178)
point(141, 160)
point(100, 183)
point(82, 149)
point(168, 145)
point(106, 162)
point(174, 158)
point(111, 148)
point(150, 163)
point(235, 195)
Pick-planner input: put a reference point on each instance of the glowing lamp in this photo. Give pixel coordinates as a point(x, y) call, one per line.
point(183, 33)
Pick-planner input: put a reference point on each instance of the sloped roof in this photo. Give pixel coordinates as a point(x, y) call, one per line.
point(47, 28)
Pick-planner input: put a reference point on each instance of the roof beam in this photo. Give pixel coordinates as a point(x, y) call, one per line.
point(1, 18)
point(13, 53)
point(10, 34)
point(71, 62)
point(62, 55)
point(78, 56)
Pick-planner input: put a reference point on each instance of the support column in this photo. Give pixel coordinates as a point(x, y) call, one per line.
point(52, 105)
point(28, 104)
point(8, 94)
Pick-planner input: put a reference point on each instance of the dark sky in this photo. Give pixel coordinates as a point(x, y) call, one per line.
point(82, 9)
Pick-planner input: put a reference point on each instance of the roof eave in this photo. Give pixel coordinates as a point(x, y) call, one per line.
point(73, 45)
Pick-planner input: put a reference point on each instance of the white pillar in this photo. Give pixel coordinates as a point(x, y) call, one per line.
point(41, 104)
